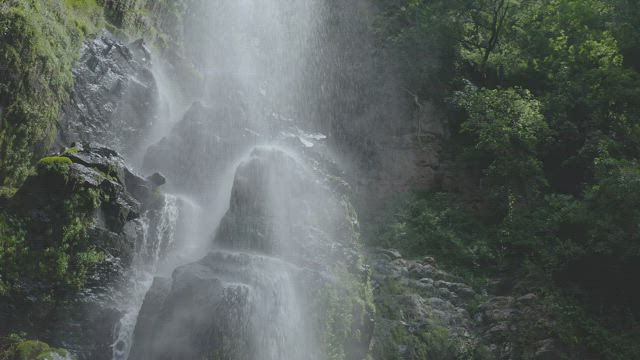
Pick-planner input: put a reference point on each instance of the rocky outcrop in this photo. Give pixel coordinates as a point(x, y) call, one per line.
point(89, 183)
point(275, 204)
point(519, 327)
point(115, 95)
point(226, 306)
point(120, 195)
point(425, 312)
point(286, 283)
point(421, 310)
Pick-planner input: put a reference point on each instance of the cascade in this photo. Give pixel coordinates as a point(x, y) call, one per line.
point(235, 266)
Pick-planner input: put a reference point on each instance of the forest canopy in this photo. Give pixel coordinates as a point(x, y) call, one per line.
point(542, 100)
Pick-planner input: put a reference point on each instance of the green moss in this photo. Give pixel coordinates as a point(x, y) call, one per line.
point(30, 349)
point(7, 192)
point(59, 164)
point(66, 259)
point(344, 306)
point(39, 44)
point(71, 151)
point(13, 249)
point(55, 160)
point(33, 350)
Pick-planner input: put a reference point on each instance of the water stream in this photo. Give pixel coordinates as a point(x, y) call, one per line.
point(259, 212)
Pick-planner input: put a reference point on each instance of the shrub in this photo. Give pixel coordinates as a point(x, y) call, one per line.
point(437, 224)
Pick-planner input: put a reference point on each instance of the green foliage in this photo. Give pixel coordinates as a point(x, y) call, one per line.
point(343, 307)
point(39, 43)
point(13, 249)
point(63, 260)
point(71, 151)
point(20, 349)
point(545, 115)
point(437, 224)
point(59, 164)
point(506, 128)
point(7, 192)
point(159, 21)
point(577, 327)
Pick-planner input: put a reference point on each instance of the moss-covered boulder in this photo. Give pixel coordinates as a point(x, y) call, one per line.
point(38, 350)
point(19, 349)
point(68, 236)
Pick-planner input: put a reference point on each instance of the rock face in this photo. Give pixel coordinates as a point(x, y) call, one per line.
point(115, 96)
point(286, 276)
point(424, 312)
point(123, 197)
point(275, 205)
point(519, 327)
point(83, 322)
point(226, 306)
point(420, 309)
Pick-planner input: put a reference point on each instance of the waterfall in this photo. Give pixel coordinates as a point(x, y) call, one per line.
point(240, 275)
point(153, 242)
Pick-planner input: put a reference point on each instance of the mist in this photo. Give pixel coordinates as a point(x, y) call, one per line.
point(261, 227)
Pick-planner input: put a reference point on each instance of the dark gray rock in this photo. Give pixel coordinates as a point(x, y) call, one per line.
point(114, 97)
point(415, 298)
point(82, 322)
point(157, 179)
point(210, 311)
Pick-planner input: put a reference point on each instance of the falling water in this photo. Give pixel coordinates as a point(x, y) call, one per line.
point(148, 252)
point(260, 212)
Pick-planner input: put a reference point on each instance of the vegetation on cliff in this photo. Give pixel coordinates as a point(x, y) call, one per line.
point(541, 98)
point(40, 42)
point(52, 255)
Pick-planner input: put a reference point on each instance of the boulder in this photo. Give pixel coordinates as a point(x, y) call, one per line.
point(226, 306)
point(93, 183)
point(285, 280)
point(114, 98)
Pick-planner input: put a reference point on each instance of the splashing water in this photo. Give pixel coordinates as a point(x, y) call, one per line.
point(148, 253)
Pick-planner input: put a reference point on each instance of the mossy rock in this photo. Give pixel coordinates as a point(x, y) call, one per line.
point(59, 164)
point(38, 350)
point(55, 160)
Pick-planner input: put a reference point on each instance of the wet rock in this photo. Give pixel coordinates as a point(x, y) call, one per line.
point(548, 349)
point(212, 309)
point(114, 97)
point(157, 179)
point(278, 207)
point(413, 298)
point(202, 146)
point(392, 254)
point(527, 299)
point(288, 262)
point(517, 328)
point(81, 322)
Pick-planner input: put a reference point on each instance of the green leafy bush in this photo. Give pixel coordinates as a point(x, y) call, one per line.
point(437, 224)
point(13, 249)
point(545, 121)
